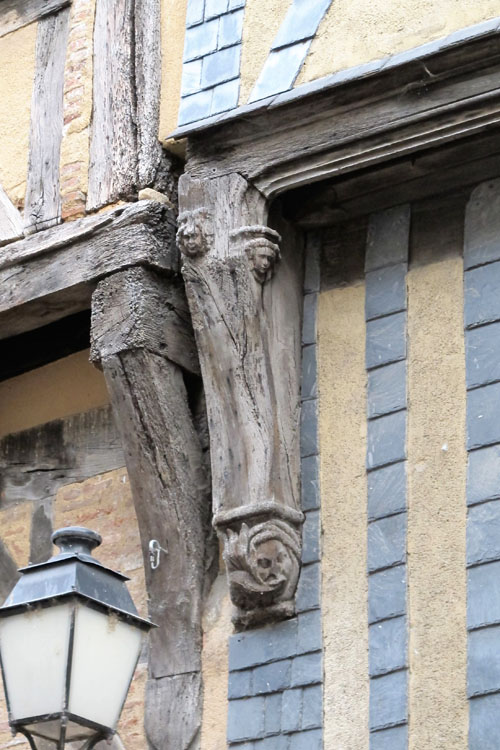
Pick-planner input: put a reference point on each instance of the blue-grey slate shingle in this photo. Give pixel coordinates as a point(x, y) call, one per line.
point(482, 349)
point(309, 445)
point(309, 385)
point(483, 416)
point(483, 532)
point(272, 717)
point(301, 21)
point(291, 710)
point(388, 645)
point(230, 29)
point(310, 537)
point(481, 298)
point(387, 490)
point(386, 542)
point(215, 8)
point(225, 96)
point(484, 731)
point(239, 684)
point(201, 40)
point(280, 71)
point(388, 238)
point(270, 678)
point(308, 589)
point(385, 340)
point(482, 224)
point(385, 291)
point(483, 595)
point(395, 738)
point(387, 593)
point(309, 631)
point(312, 740)
point(483, 662)
point(194, 12)
point(221, 66)
point(191, 77)
point(245, 719)
point(310, 483)
point(388, 699)
point(309, 318)
point(386, 440)
point(386, 389)
point(195, 107)
point(307, 669)
point(312, 707)
point(483, 475)
point(271, 643)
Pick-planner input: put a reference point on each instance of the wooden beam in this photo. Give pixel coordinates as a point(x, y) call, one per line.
point(113, 143)
point(246, 306)
point(11, 224)
point(42, 206)
point(14, 14)
point(171, 490)
point(52, 274)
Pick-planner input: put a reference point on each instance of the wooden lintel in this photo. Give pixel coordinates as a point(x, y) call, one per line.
point(14, 14)
point(53, 273)
point(244, 287)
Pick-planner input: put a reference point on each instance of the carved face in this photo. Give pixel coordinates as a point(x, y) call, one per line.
point(193, 237)
point(272, 561)
point(263, 261)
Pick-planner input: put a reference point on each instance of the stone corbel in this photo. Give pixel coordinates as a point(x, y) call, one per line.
point(244, 288)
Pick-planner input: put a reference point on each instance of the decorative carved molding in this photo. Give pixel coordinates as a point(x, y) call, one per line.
point(195, 234)
point(248, 338)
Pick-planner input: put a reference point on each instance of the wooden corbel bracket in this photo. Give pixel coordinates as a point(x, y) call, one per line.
point(245, 296)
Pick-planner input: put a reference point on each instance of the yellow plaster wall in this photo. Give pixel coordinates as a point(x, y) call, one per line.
point(17, 69)
point(437, 463)
point(68, 386)
point(342, 379)
point(173, 23)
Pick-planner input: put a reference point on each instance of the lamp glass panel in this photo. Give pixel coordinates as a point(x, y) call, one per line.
point(105, 652)
point(34, 648)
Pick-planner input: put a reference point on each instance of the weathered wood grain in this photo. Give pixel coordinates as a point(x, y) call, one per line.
point(11, 224)
point(171, 491)
point(148, 85)
point(42, 206)
point(113, 144)
point(14, 14)
point(53, 273)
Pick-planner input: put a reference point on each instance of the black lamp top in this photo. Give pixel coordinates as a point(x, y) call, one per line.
point(74, 539)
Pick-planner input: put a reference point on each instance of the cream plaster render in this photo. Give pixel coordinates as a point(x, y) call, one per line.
point(342, 385)
point(173, 22)
point(68, 386)
point(17, 66)
point(357, 31)
point(261, 23)
point(217, 628)
point(436, 507)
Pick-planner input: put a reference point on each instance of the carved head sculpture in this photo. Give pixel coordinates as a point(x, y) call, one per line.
point(263, 256)
point(195, 233)
point(263, 563)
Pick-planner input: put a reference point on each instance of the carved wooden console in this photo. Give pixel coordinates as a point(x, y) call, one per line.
point(244, 288)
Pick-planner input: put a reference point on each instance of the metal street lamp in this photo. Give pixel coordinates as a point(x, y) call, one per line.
point(70, 638)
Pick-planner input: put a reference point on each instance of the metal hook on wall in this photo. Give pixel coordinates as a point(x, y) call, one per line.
point(155, 550)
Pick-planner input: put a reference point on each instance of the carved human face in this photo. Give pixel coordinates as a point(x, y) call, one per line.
point(264, 258)
point(190, 235)
point(272, 560)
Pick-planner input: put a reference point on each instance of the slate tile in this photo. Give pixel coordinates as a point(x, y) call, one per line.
point(291, 710)
point(395, 738)
point(483, 475)
point(200, 40)
point(483, 532)
point(308, 589)
point(271, 643)
point(312, 707)
point(386, 340)
point(309, 318)
point(388, 646)
point(233, 4)
point(309, 631)
point(310, 483)
point(239, 684)
point(484, 731)
point(387, 389)
point(385, 291)
point(230, 29)
point(311, 537)
point(482, 225)
point(483, 595)
point(301, 22)
point(387, 593)
point(414, 53)
point(387, 542)
point(387, 490)
point(215, 8)
point(386, 440)
point(307, 669)
point(221, 66)
point(278, 742)
point(272, 677)
point(194, 13)
point(481, 295)
point(195, 107)
point(309, 386)
point(482, 349)
point(483, 663)
point(225, 96)
point(280, 71)
point(469, 32)
point(245, 719)
point(272, 718)
point(312, 740)
point(483, 416)
point(388, 699)
point(191, 77)
point(388, 238)
point(309, 428)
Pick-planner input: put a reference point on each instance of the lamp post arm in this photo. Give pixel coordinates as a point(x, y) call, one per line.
point(88, 745)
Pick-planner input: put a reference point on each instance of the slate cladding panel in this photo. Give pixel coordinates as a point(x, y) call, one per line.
point(277, 671)
point(386, 265)
point(482, 344)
